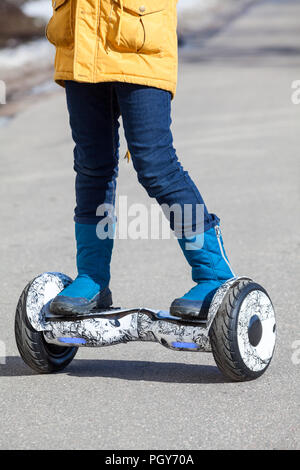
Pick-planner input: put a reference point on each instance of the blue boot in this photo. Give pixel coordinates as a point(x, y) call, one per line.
point(210, 269)
point(89, 291)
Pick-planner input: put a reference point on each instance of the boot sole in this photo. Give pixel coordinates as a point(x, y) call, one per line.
point(66, 306)
point(191, 310)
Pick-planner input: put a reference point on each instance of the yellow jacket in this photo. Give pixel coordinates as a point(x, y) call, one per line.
point(131, 41)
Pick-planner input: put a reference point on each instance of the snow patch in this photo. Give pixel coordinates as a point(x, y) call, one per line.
point(13, 57)
point(183, 5)
point(38, 9)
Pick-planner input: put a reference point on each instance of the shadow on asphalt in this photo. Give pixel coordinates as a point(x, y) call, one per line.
point(147, 371)
point(169, 372)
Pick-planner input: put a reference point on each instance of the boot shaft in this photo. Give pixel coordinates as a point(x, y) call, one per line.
point(93, 254)
point(206, 255)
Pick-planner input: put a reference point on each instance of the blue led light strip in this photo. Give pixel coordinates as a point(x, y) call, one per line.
point(176, 344)
point(72, 340)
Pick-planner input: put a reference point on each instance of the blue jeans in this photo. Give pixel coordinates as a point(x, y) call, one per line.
point(146, 113)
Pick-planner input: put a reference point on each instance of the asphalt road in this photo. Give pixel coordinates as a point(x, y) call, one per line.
point(237, 131)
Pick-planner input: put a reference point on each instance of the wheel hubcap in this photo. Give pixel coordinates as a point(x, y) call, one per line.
point(255, 330)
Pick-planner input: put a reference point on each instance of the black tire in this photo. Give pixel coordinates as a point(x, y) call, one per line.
point(224, 336)
point(35, 351)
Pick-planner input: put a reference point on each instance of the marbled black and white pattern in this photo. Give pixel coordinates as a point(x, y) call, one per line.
point(169, 332)
point(95, 331)
point(155, 326)
point(256, 303)
point(43, 289)
point(106, 331)
point(218, 299)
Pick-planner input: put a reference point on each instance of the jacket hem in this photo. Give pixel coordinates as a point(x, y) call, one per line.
point(60, 77)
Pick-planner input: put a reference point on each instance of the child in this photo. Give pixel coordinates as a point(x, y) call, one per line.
point(119, 57)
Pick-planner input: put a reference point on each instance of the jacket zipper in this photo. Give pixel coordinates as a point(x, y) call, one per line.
point(218, 233)
point(98, 26)
point(108, 27)
point(97, 39)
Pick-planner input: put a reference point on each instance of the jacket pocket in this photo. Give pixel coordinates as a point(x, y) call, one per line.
point(59, 30)
point(137, 25)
